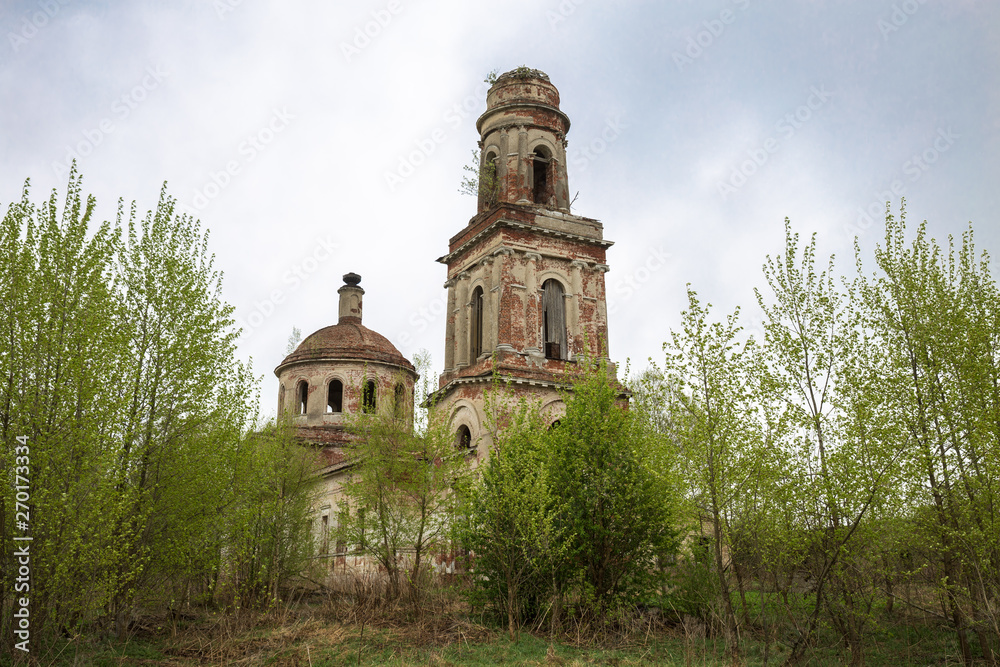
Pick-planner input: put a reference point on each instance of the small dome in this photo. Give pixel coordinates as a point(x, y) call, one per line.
point(347, 340)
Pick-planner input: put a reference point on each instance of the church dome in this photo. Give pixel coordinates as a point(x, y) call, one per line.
point(341, 370)
point(349, 340)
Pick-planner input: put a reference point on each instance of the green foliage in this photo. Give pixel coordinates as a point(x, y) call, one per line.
point(572, 512)
point(613, 503)
point(816, 355)
point(481, 181)
point(118, 363)
point(398, 499)
point(934, 315)
point(830, 481)
point(845, 465)
point(720, 446)
point(267, 540)
point(512, 522)
point(522, 72)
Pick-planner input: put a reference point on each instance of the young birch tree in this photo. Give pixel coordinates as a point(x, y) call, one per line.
point(809, 340)
point(717, 440)
point(398, 499)
point(935, 314)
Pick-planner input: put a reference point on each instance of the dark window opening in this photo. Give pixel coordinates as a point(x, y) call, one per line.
point(335, 396)
point(553, 320)
point(399, 407)
point(540, 187)
point(476, 328)
point(463, 438)
point(303, 397)
point(554, 425)
point(368, 397)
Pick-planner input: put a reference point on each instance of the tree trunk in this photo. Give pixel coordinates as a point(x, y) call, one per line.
point(510, 609)
point(731, 627)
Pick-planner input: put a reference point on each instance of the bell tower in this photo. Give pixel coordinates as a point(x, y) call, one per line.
point(523, 143)
point(526, 293)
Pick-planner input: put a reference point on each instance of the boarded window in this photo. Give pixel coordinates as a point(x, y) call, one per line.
point(463, 439)
point(324, 534)
point(335, 396)
point(303, 395)
point(368, 397)
point(553, 319)
point(476, 325)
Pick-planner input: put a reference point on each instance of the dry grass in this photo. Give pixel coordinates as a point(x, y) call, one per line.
point(357, 619)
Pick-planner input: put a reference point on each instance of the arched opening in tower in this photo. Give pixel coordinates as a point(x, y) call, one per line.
point(476, 328)
point(541, 186)
point(554, 319)
point(489, 183)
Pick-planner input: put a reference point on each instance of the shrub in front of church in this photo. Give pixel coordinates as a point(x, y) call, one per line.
point(572, 515)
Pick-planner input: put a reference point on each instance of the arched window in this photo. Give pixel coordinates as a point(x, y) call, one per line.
point(476, 325)
point(303, 395)
point(335, 396)
point(489, 182)
point(463, 439)
point(368, 397)
point(554, 425)
point(399, 406)
point(281, 399)
point(553, 319)
point(541, 187)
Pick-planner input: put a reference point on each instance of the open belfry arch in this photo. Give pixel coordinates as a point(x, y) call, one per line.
point(526, 292)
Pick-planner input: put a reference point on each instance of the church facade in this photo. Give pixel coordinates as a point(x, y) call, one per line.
point(526, 297)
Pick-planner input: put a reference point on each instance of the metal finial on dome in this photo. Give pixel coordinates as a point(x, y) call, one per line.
point(352, 279)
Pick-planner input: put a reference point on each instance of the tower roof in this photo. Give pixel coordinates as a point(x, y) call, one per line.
point(349, 340)
point(520, 95)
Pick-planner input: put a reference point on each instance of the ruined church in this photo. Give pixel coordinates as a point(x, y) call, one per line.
point(526, 297)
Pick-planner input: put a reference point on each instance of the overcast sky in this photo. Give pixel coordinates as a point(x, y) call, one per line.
point(317, 138)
